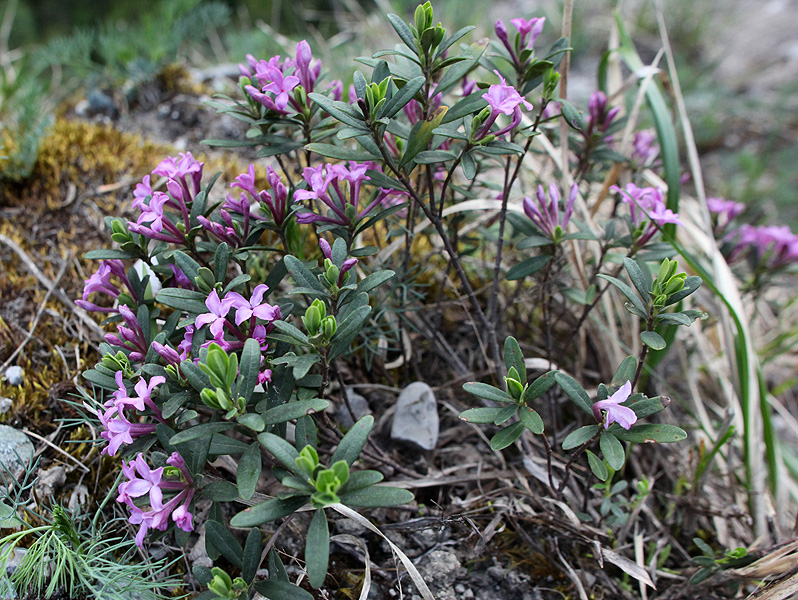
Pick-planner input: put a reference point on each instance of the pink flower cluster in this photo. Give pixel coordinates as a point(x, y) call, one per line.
point(648, 211)
point(118, 428)
point(148, 485)
point(325, 184)
point(252, 310)
point(546, 215)
point(276, 79)
point(528, 32)
point(600, 116)
point(775, 246)
point(184, 175)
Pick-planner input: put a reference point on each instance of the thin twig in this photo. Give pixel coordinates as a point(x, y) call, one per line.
point(44, 280)
point(36, 318)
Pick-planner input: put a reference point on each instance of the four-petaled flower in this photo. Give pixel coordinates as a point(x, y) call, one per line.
point(502, 99)
point(218, 313)
point(255, 306)
point(613, 411)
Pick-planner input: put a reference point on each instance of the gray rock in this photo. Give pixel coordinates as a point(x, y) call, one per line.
point(360, 406)
point(5, 405)
point(49, 481)
point(14, 375)
point(416, 419)
point(440, 569)
point(16, 451)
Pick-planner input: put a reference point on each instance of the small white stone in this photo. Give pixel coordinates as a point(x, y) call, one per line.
point(14, 375)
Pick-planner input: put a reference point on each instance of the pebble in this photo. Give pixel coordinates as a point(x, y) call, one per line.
point(5, 405)
point(14, 375)
point(16, 451)
point(416, 420)
point(360, 407)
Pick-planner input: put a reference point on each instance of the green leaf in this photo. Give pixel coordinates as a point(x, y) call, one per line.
point(108, 254)
point(340, 110)
point(626, 291)
point(528, 267)
point(691, 284)
point(612, 450)
point(377, 496)
point(252, 421)
point(300, 364)
point(540, 386)
point(220, 491)
point(187, 300)
point(222, 444)
point(639, 278)
point(280, 449)
point(506, 436)
point(359, 480)
point(505, 413)
point(250, 365)
point(625, 371)
point(531, 420)
point(340, 153)
point(224, 542)
point(650, 432)
point(403, 30)
point(428, 157)
point(373, 281)
point(487, 392)
point(270, 510)
point(533, 241)
point(597, 466)
point(456, 72)
point(574, 391)
point(347, 331)
point(281, 590)
point(579, 436)
point(420, 136)
point(469, 166)
point(572, 115)
point(352, 443)
point(302, 275)
point(467, 106)
point(290, 333)
point(293, 410)
point(199, 431)
point(402, 97)
point(481, 415)
point(513, 357)
point(252, 551)
point(317, 549)
point(248, 473)
point(653, 340)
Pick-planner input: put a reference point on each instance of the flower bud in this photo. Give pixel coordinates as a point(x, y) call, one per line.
point(328, 327)
point(312, 319)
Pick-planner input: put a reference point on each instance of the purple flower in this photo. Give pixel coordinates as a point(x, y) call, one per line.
point(648, 211)
point(775, 246)
point(325, 248)
point(118, 430)
point(255, 306)
point(130, 337)
point(613, 411)
point(545, 215)
point(152, 483)
point(144, 391)
point(142, 192)
point(148, 483)
point(600, 117)
point(502, 99)
point(524, 27)
point(307, 77)
point(101, 282)
point(501, 32)
point(217, 314)
point(276, 199)
point(246, 181)
point(645, 147)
